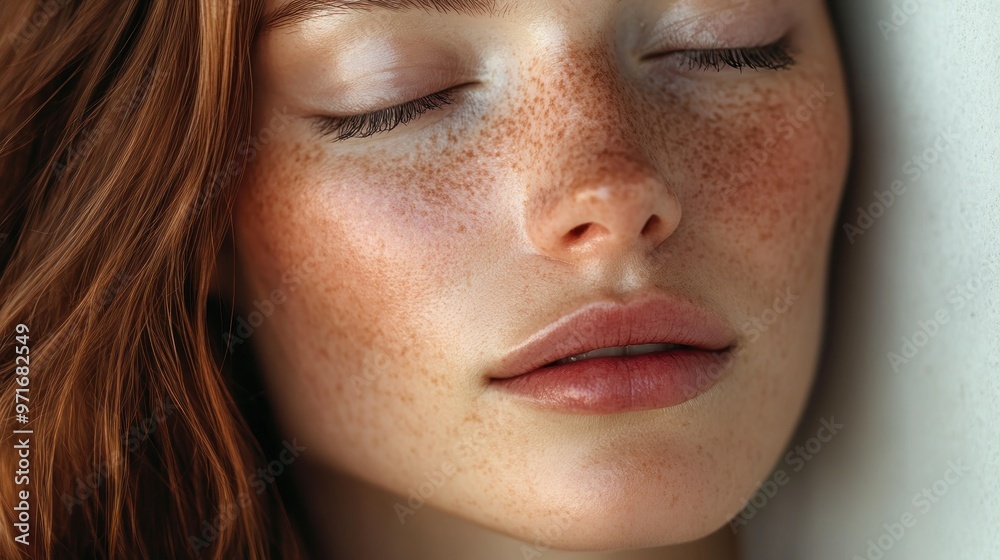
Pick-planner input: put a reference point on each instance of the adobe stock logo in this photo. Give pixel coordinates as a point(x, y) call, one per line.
point(291, 280)
point(958, 299)
point(786, 129)
point(229, 514)
point(754, 329)
point(794, 461)
point(914, 169)
point(901, 14)
point(922, 502)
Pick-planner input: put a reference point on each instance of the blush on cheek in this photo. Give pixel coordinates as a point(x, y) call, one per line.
point(779, 174)
point(373, 259)
point(788, 151)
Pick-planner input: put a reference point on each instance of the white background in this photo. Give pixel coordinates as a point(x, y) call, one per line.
point(935, 250)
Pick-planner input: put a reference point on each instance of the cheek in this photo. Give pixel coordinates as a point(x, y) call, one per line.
point(770, 193)
point(383, 238)
point(759, 169)
point(355, 356)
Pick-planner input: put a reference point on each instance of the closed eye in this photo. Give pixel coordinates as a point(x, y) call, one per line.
point(383, 120)
point(776, 56)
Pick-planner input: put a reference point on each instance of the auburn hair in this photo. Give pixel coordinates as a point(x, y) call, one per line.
point(120, 130)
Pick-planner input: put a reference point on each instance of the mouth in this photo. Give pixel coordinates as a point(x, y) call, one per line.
point(612, 357)
point(619, 351)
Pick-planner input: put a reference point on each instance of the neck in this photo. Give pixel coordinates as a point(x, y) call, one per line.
point(351, 519)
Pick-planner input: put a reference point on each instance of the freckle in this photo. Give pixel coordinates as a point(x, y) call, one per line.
point(580, 123)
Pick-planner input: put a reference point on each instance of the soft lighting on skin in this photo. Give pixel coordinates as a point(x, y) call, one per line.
point(440, 246)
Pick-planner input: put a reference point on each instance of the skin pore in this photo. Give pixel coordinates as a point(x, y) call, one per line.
point(402, 266)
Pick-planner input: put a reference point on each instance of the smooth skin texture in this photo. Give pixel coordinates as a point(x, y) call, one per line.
point(404, 265)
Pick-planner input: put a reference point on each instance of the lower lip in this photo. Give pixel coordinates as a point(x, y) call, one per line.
point(621, 384)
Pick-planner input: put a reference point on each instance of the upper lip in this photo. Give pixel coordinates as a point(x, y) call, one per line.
point(656, 319)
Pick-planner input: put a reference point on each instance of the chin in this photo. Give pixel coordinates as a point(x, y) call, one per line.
point(614, 509)
point(661, 477)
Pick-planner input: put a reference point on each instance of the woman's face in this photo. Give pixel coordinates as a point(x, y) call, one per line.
point(582, 153)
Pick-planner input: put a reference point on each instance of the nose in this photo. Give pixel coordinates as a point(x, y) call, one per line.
point(615, 204)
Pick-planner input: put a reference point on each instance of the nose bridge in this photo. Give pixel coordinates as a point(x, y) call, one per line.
point(595, 192)
point(588, 100)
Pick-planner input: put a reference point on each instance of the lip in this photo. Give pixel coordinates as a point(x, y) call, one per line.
point(610, 385)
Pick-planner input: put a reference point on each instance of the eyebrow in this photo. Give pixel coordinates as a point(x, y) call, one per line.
point(297, 11)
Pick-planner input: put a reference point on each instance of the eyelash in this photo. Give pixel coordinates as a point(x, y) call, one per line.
point(384, 120)
point(777, 56)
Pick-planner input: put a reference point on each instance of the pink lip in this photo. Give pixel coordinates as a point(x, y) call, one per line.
point(619, 384)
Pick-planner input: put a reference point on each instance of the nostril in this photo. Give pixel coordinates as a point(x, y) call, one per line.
point(577, 232)
point(651, 224)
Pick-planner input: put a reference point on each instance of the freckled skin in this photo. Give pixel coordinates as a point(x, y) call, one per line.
point(423, 255)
